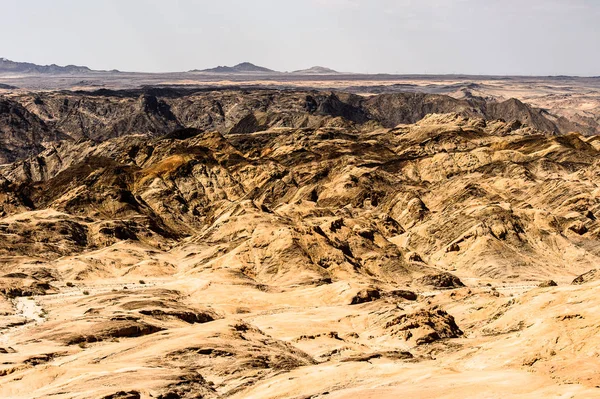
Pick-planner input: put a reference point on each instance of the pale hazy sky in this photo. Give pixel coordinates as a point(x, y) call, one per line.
point(530, 37)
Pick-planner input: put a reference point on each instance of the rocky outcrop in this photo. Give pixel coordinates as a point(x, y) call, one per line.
point(365, 295)
point(424, 326)
point(105, 330)
point(441, 280)
point(587, 277)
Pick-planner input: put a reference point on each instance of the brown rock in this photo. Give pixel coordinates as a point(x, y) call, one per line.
point(365, 295)
point(441, 280)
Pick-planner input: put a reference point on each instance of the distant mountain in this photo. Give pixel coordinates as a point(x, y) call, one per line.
point(316, 70)
point(244, 67)
point(27, 67)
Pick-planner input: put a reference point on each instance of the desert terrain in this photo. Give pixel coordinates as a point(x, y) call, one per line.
point(233, 236)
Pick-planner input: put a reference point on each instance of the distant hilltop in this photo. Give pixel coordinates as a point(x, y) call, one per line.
point(244, 67)
point(28, 67)
point(316, 70)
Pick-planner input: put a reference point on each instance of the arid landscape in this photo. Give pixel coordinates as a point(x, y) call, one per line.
point(226, 234)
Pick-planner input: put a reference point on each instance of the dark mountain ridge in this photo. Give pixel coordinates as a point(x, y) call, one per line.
point(29, 120)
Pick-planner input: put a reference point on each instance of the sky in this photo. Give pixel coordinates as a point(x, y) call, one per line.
point(493, 37)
